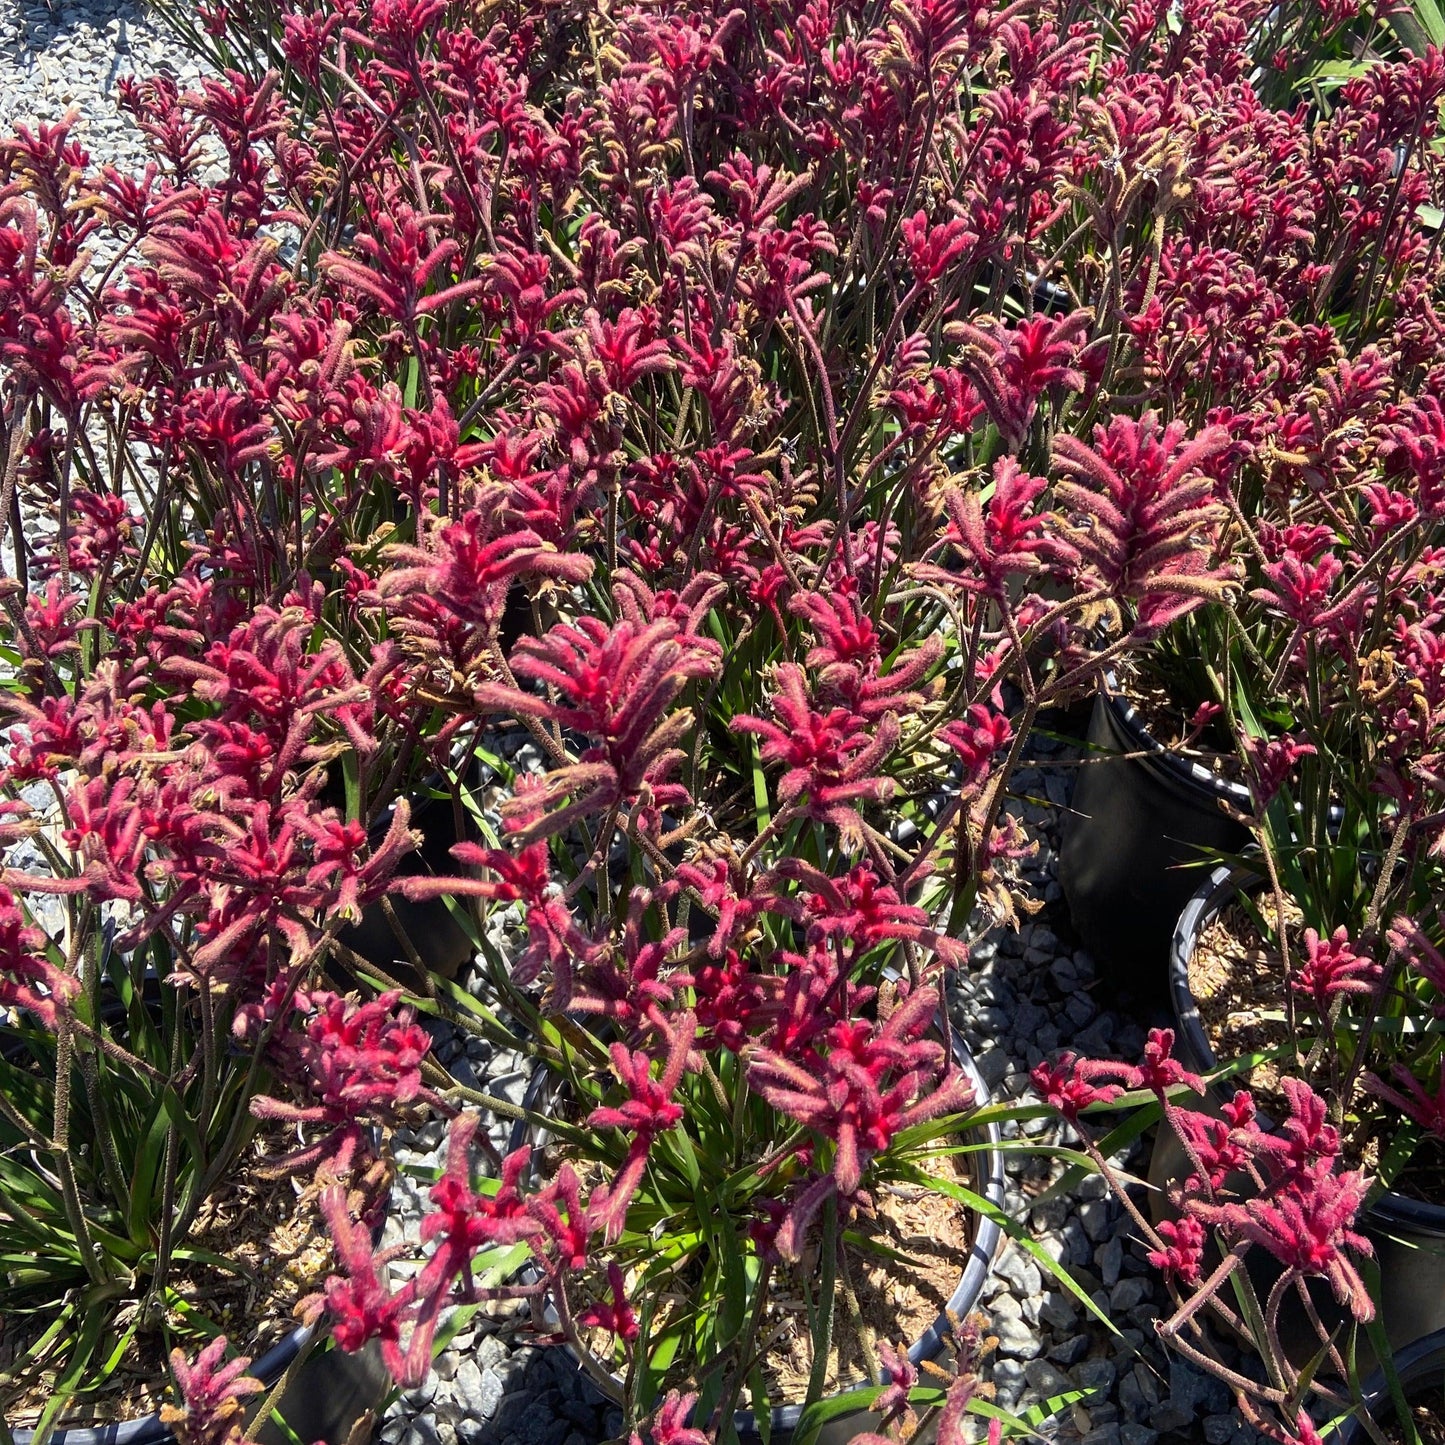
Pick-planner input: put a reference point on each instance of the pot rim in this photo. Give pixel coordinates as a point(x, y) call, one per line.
point(987, 1242)
point(1192, 775)
point(1209, 899)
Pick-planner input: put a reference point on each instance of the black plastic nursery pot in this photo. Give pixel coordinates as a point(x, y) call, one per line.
point(1143, 821)
point(1418, 1366)
point(1408, 1234)
point(323, 1401)
point(987, 1241)
point(429, 926)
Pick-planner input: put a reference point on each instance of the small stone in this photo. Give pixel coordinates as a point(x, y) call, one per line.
point(1008, 1381)
point(569, 1376)
point(491, 1350)
point(1214, 1396)
point(1094, 1217)
point(1096, 1038)
point(1070, 1351)
point(1004, 1309)
point(993, 1021)
point(418, 1399)
point(993, 1064)
point(1019, 1272)
point(1137, 1393)
point(490, 1394)
point(1058, 1311)
point(1097, 1375)
point(1110, 1260)
point(1128, 1293)
point(1079, 1251)
point(1168, 1417)
point(1052, 1244)
point(1017, 1339)
point(1184, 1385)
point(1027, 1018)
point(1218, 1429)
point(1136, 1434)
point(579, 1414)
point(422, 1432)
point(1047, 1380)
point(467, 1387)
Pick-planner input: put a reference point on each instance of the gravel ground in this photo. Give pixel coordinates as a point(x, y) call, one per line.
point(52, 58)
point(1030, 993)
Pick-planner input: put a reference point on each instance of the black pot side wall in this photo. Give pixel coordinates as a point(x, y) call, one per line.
point(439, 940)
point(331, 1393)
point(1139, 830)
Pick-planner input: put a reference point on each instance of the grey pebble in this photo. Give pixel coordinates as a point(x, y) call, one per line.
point(1128, 1293)
point(1110, 1259)
point(1017, 1339)
point(1096, 1217)
point(1046, 1379)
point(1095, 1374)
point(1070, 1351)
point(1019, 1272)
point(1136, 1434)
point(1058, 1311)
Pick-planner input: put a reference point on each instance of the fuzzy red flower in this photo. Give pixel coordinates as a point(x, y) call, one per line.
point(648, 1110)
point(1416, 1102)
point(1145, 514)
point(614, 1314)
point(1183, 1252)
point(1331, 968)
point(28, 980)
point(830, 757)
point(1065, 1086)
point(212, 1393)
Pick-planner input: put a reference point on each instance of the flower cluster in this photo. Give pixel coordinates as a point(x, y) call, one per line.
point(1242, 1184)
point(769, 411)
